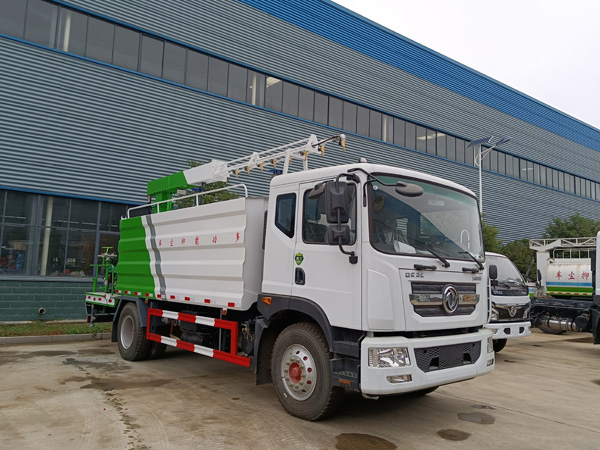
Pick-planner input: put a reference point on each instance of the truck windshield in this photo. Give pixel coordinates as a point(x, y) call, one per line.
point(508, 274)
point(441, 222)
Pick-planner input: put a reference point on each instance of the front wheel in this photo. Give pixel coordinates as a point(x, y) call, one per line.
point(133, 345)
point(499, 344)
point(302, 374)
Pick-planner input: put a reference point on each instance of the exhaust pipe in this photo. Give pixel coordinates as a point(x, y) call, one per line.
point(558, 324)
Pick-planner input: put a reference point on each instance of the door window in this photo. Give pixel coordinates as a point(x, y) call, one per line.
point(285, 214)
point(314, 220)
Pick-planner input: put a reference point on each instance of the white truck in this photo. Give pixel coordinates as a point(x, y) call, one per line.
point(567, 295)
point(510, 301)
point(357, 277)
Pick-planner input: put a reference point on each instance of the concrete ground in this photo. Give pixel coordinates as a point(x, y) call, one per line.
point(543, 394)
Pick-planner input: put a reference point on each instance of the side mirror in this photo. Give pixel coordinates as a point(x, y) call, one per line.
point(336, 199)
point(493, 274)
point(409, 189)
point(337, 232)
point(317, 191)
point(539, 276)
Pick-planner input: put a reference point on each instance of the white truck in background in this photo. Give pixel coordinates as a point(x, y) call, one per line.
point(509, 295)
point(359, 277)
point(567, 295)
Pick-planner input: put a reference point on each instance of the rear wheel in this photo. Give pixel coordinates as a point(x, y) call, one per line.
point(133, 345)
point(499, 344)
point(302, 374)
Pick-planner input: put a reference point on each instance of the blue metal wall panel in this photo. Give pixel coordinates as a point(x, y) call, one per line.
point(338, 24)
point(247, 35)
point(76, 127)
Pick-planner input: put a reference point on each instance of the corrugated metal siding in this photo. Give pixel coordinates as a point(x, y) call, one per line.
point(247, 35)
point(79, 128)
point(327, 19)
point(75, 127)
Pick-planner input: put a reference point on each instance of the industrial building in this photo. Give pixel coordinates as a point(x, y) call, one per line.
point(99, 97)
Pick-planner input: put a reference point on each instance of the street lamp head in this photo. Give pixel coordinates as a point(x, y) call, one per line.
point(479, 141)
point(502, 141)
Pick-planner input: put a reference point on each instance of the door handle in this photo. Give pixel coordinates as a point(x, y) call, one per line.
point(299, 276)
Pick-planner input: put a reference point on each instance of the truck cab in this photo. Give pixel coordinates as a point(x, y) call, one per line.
point(409, 278)
point(510, 299)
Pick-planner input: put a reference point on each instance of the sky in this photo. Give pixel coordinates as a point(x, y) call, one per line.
point(547, 49)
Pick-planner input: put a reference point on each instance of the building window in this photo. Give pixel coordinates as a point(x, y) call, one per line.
point(399, 132)
point(196, 74)
point(290, 99)
point(362, 121)
point(411, 136)
point(431, 141)
point(174, 63)
point(127, 48)
point(387, 128)
point(238, 82)
point(321, 108)
point(255, 94)
point(274, 94)
point(99, 43)
point(440, 143)
point(12, 19)
point(41, 22)
point(421, 139)
point(306, 104)
point(375, 125)
point(152, 56)
point(72, 31)
point(43, 235)
point(336, 107)
point(217, 76)
point(469, 153)
point(349, 117)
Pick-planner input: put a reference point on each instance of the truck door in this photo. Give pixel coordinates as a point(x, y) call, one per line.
point(322, 273)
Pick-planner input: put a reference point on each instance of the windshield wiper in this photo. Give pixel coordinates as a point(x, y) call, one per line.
point(466, 269)
point(443, 260)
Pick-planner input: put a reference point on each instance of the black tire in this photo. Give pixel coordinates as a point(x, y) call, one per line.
point(309, 393)
point(131, 337)
point(499, 344)
point(157, 350)
point(549, 330)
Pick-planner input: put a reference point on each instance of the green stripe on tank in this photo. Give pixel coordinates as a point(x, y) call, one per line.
point(569, 289)
point(133, 267)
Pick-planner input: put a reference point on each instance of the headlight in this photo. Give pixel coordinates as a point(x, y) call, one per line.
point(490, 345)
point(388, 357)
point(495, 314)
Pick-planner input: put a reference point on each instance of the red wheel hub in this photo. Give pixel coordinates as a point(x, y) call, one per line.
point(295, 372)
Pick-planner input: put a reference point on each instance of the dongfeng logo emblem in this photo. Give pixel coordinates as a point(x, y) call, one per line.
point(450, 299)
point(512, 311)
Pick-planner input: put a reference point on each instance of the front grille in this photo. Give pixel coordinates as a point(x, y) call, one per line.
point(447, 356)
point(438, 288)
point(426, 299)
point(504, 312)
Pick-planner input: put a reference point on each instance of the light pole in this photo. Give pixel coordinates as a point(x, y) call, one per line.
point(478, 156)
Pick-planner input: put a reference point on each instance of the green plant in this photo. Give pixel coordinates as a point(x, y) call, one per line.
point(50, 328)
